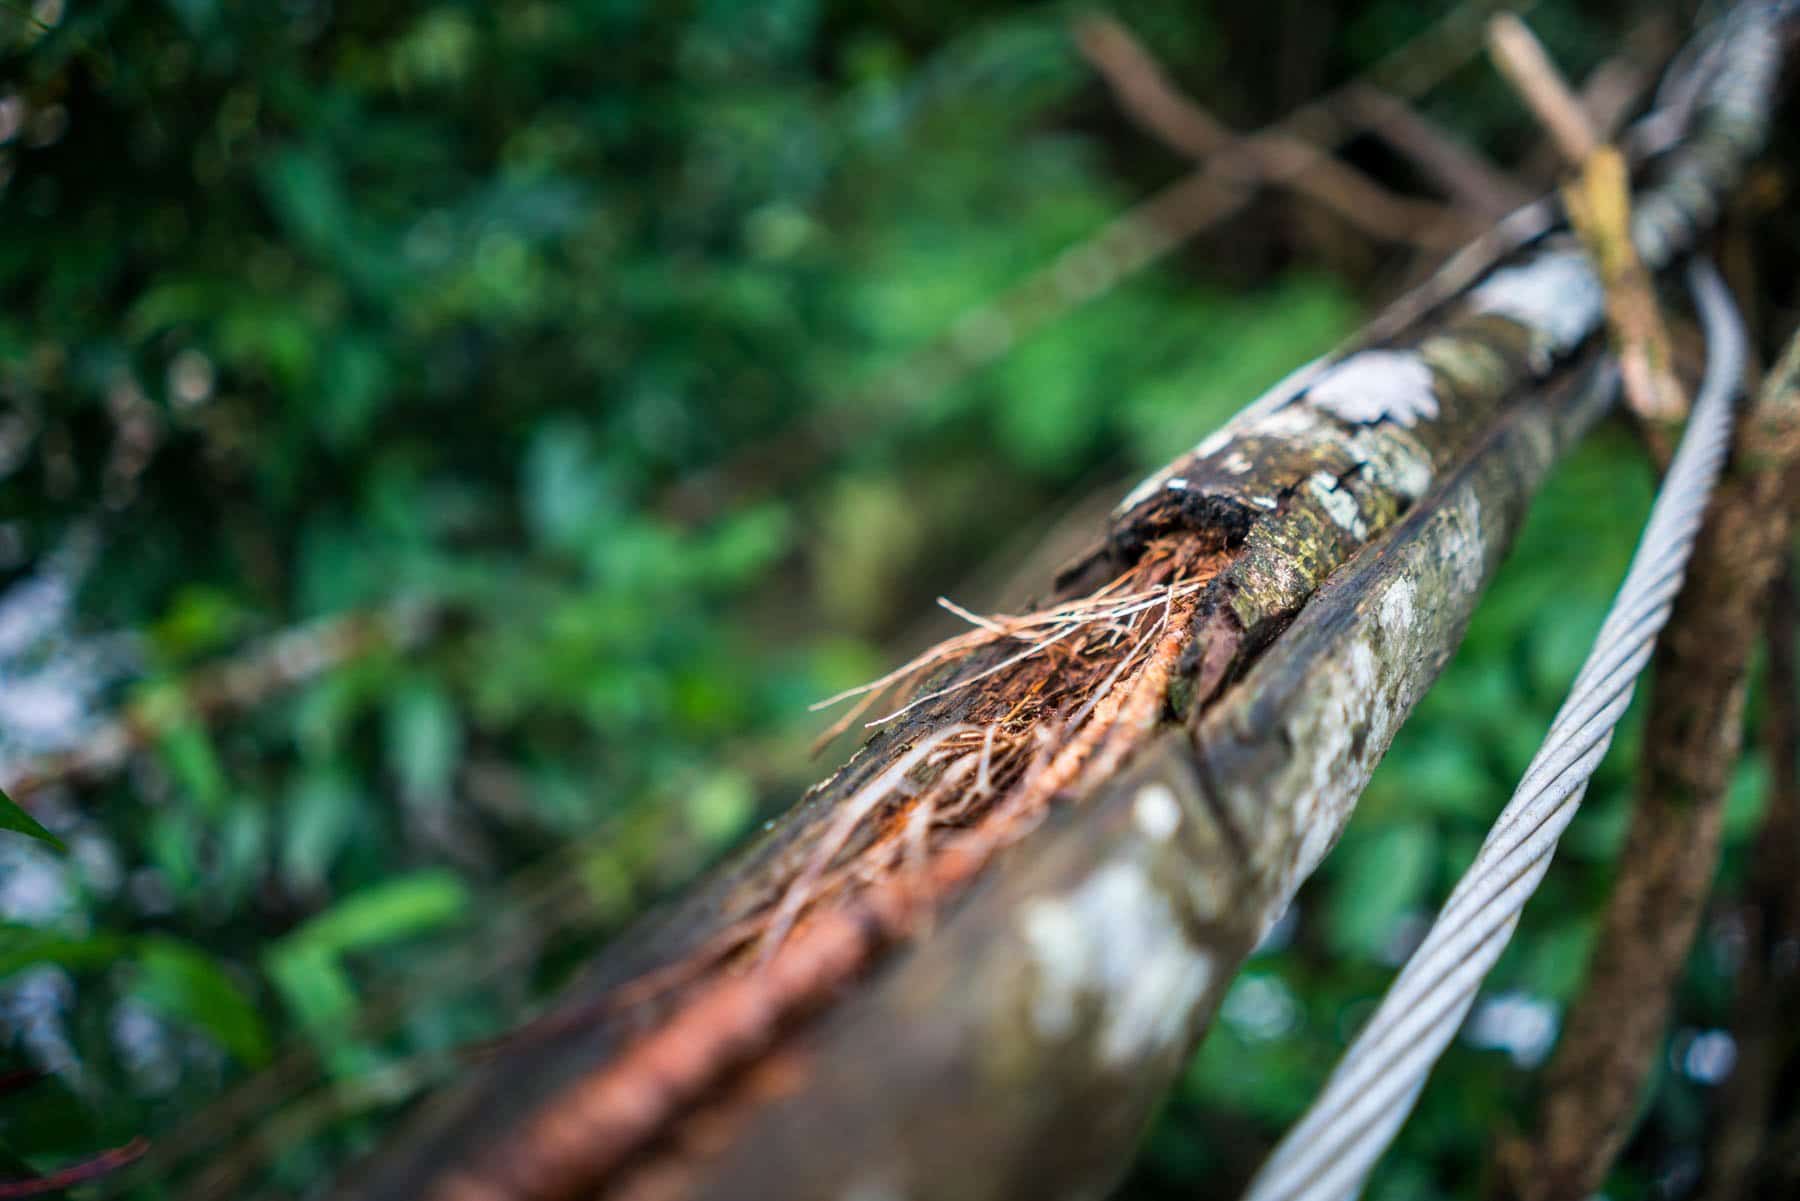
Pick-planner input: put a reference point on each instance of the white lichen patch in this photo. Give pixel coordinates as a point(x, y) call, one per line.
point(1396, 459)
point(1396, 613)
point(1287, 424)
point(1115, 943)
point(1556, 295)
point(1340, 762)
point(1377, 385)
point(1156, 812)
point(1338, 504)
point(1466, 547)
point(1360, 694)
point(1215, 442)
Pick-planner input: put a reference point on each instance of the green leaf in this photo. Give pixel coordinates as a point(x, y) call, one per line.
point(316, 988)
point(319, 820)
point(23, 947)
point(17, 820)
point(322, 998)
point(184, 983)
point(424, 742)
point(187, 751)
point(382, 914)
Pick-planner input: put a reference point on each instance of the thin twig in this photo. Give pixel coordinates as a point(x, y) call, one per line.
point(1464, 175)
point(268, 667)
point(1521, 58)
point(67, 1178)
point(1144, 90)
point(1599, 207)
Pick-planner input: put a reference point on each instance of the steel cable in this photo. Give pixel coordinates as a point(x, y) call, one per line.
point(1328, 1154)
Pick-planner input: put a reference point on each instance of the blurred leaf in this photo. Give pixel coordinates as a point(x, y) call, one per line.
point(305, 967)
point(23, 947)
point(424, 742)
point(302, 186)
point(1557, 960)
point(16, 819)
point(352, 385)
point(187, 751)
point(200, 619)
point(322, 999)
point(721, 806)
point(564, 491)
point(184, 983)
point(383, 913)
point(320, 816)
point(1746, 799)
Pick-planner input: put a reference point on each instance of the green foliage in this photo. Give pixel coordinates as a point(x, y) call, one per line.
point(594, 325)
point(17, 820)
point(186, 983)
point(306, 967)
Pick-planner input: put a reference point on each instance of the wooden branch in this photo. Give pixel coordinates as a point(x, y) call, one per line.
point(1598, 203)
point(88, 1170)
point(1692, 737)
point(1144, 90)
point(271, 666)
point(1468, 179)
point(1522, 60)
point(1599, 207)
point(1062, 851)
point(1768, 985)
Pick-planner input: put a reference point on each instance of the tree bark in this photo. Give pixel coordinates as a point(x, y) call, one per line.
point(968, 964)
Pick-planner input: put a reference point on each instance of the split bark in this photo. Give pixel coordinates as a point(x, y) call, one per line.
point(980, 986)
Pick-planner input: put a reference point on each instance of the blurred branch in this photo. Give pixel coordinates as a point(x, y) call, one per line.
point(217, 690)
point(1522, 60)
point(229, 1171)
point(67, 1178)
point(1598, 201)
point(1768, 984)
point(1087, 270)
point(1610, 90)
point(1692, 737)
point(1470, 180)
point(1145, 91)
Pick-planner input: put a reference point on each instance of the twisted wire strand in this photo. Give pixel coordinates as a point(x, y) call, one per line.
point(1328, 1154)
